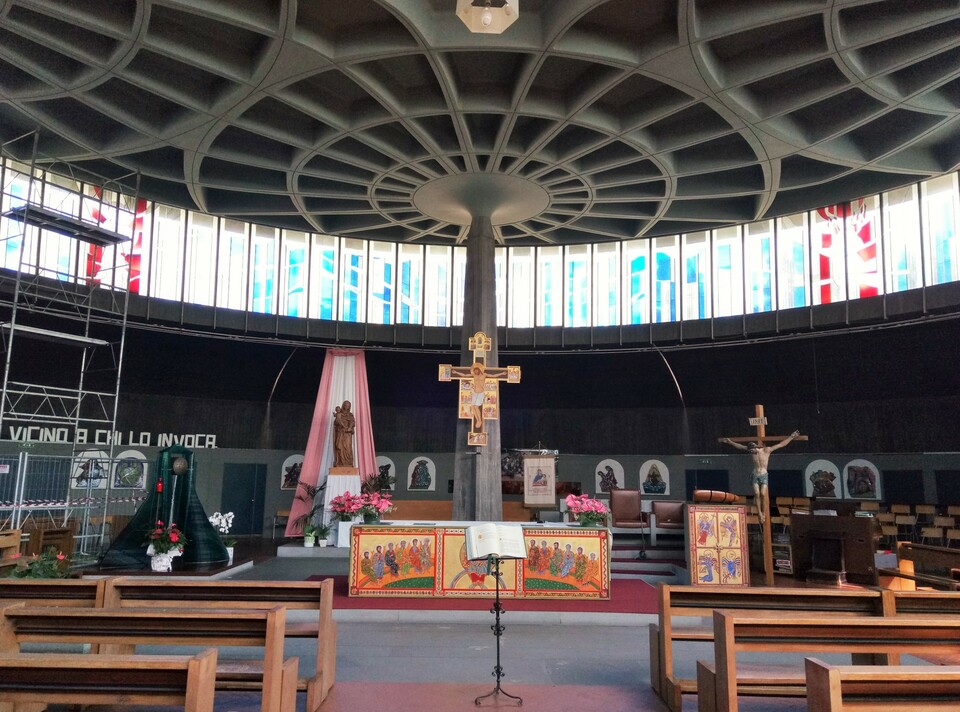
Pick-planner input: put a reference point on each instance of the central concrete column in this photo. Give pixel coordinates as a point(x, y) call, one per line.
point(477, 494)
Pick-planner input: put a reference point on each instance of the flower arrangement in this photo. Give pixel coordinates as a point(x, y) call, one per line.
point(51, 564)
point(588, 511)
point(346, 506)
point(164, 539)
point(374, 504)
point(222, 523)
point(371, 504)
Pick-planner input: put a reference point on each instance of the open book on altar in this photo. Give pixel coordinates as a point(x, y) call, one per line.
point(505, 541)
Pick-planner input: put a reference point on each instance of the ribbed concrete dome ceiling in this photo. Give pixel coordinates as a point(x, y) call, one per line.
point(627, 118)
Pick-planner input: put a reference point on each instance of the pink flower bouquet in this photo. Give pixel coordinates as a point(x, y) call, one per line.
point(588, 511)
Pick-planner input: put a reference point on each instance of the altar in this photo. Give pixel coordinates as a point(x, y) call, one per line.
point(429, 559)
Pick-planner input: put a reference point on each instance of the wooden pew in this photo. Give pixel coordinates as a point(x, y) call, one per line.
point(9, 549)
point(123, 592)
point(921, 604)
point(921, 565)
point(677, 603)
point(34, 680)
point(73, 593)
point(912, 688)
point(120, 631)
point(925, 604)
point(721, 681)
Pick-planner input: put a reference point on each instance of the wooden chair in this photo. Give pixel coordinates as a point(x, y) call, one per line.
point(626, 512)
point(870, 506)
point(953, 535)
point(801, 503)
point(668, 516)
point(945, 522)
point(888, 535)
point(934, 533)
point(953, 511)
point(925, 513)
point(900, 508)
point(280, 520)
point(906, 527)
point(887, 518)
point(783, 505)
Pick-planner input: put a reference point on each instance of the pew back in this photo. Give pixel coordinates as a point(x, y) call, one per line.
point(913, 688)
point(120, 631)
point(132, 592)
point(40, 678)
point(72, 593)
point(678, 604)
point(733, 635)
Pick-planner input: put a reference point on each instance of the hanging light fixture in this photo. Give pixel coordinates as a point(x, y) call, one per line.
point(488, 16)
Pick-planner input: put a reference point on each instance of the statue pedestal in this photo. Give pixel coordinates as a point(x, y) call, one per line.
point(340, 480)
point(345, 471)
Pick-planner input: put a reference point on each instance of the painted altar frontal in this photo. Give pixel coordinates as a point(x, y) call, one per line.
point(431, 561)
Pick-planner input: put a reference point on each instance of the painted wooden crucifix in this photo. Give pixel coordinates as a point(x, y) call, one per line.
point(760, 452)
point(479, 387)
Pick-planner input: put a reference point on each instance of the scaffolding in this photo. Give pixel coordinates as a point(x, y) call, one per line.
point(67, 305)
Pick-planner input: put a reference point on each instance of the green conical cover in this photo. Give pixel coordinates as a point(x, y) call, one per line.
point(171, 498)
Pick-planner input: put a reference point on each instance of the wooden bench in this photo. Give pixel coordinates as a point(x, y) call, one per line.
point(721, 681)
point(124, 592)
point(43, 537)
point(684, 602)
point(119, 631)
point(73, 593)
point(921, 565)
point(924, 604)
point(9, 550)
point(913, 688)
point(34, 680)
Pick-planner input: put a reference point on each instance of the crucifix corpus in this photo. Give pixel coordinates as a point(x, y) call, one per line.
point(760, 452)
point(479, 387)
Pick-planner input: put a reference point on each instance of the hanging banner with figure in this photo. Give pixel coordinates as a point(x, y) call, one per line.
point(540, 481)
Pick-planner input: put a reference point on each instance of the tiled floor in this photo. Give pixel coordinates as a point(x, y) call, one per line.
point(440, 661)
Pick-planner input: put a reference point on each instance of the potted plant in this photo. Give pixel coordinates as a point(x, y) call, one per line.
point(50, 564)
point(309, 534)
point(305, 522)
point(588, 511)
point(372, 505)
point(163, 543)
point(322, 532)
point(346, 506)
point(222, 523)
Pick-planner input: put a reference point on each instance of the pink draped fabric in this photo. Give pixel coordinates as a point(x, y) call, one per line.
point(319, 443)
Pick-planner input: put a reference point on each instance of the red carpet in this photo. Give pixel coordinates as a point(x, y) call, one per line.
point(626, 596)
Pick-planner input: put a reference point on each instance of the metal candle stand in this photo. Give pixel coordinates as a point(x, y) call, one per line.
point(497, 629)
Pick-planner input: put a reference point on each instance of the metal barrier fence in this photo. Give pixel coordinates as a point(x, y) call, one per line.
point(60, 491)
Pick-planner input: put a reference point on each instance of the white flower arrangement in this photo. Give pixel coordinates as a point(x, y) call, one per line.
point(222, 523)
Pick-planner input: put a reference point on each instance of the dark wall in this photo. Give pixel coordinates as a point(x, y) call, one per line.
point(888, 390)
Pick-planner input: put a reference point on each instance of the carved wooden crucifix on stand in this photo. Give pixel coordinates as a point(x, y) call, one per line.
point(479, 387)
point(760, 452)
